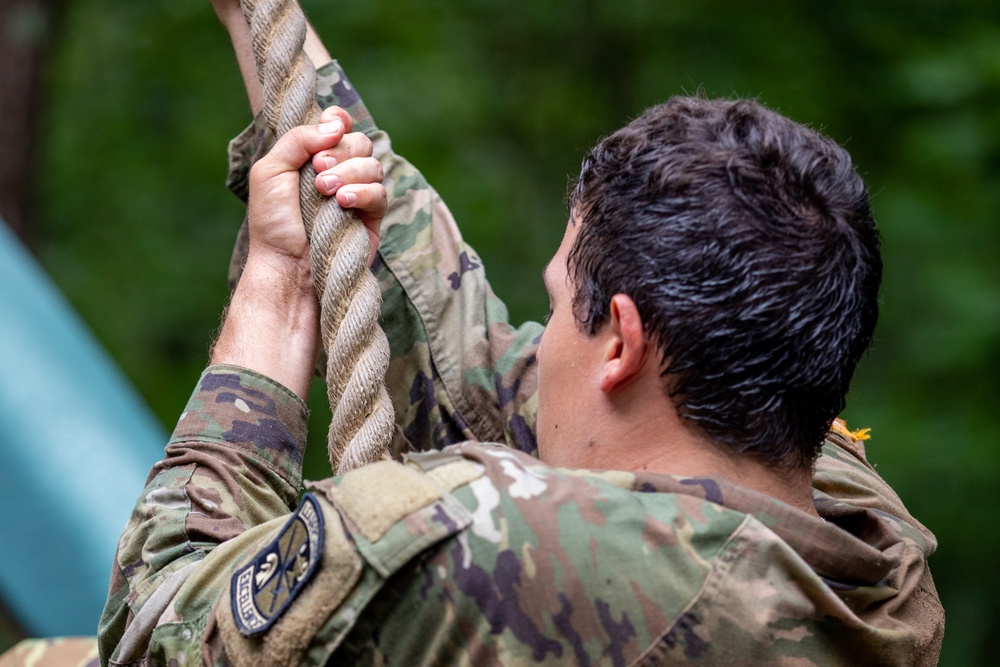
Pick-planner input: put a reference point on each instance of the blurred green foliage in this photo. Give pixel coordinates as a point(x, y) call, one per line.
point(497, 102)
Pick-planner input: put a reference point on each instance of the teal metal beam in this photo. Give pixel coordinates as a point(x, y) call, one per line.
point(76, 444)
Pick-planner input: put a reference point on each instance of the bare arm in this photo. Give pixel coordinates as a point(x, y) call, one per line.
point(231, 17)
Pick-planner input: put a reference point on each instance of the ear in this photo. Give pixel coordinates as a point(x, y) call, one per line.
point(627, 349)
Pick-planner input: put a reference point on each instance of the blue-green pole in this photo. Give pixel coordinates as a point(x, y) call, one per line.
point(76, 444)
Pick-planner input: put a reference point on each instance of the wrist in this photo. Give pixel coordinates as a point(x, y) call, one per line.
point(277, 274)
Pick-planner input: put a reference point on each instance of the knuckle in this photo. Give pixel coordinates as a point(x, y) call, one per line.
point(357, 144)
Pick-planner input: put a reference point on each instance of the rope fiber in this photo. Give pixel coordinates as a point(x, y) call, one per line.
point(357, 350)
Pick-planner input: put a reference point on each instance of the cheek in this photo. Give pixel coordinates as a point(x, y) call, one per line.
point(547, 368)
point(546, 354)
point(549, 359)
point(541, 356)
point(554, 369)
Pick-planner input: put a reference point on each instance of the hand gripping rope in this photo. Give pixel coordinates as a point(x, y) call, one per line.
point(357, 350)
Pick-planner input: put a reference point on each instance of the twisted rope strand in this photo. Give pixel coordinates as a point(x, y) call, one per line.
point(350, 300)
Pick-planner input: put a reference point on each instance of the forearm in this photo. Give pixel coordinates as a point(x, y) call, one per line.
point(231, 17)
point(272, 323)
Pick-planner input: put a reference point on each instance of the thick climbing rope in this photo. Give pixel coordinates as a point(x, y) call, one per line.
point(350, 300)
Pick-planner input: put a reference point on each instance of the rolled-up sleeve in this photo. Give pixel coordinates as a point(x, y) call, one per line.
point(234, 462)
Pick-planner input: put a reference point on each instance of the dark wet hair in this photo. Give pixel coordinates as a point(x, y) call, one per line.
point(747, 243)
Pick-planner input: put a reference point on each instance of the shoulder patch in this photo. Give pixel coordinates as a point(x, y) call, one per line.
point(261, 591)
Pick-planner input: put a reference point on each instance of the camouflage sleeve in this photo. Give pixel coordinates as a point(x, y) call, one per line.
point(52, 652)
point(459, 369)
point(234, 462)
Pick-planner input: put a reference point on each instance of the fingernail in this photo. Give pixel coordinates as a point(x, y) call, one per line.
point(333, 127)
point(329, 161)
point(331, 182)
point(349, 198)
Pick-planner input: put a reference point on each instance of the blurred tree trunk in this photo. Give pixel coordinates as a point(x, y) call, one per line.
point(26, 28)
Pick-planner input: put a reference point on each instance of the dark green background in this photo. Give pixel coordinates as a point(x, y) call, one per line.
point(496, 102)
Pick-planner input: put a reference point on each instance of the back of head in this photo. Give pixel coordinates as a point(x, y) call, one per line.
point(747, 243)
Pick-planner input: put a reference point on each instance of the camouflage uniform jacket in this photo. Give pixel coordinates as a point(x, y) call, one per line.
point(482, 554)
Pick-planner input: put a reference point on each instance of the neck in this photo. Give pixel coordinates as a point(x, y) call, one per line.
point(709, 459)
point(653, 438)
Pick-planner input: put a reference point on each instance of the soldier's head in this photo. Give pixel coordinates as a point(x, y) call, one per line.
point(746, 243)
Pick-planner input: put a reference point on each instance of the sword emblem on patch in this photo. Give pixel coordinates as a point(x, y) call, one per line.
point(263, 589)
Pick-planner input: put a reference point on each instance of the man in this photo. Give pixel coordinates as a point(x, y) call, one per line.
point(712, 295)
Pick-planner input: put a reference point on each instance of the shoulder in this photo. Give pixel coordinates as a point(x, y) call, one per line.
point(611, 503)
point(522, 561)
point(363, 529)
point(554, 564)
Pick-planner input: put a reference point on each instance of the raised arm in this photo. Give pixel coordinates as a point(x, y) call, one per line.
point(234, 462)
point(459, 370)
point(231, 17)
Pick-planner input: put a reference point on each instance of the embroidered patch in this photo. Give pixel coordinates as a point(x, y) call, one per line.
point(263, 589)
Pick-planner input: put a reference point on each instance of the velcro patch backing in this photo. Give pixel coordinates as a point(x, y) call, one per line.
point(402, 491)
point(457, 473)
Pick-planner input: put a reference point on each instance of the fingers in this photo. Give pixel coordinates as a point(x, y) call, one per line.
point(369, 200)
point(297, 145)
point(353, 145)
point(336, 113)
point(357, 184)
point(345, 169)
point(359, 170)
